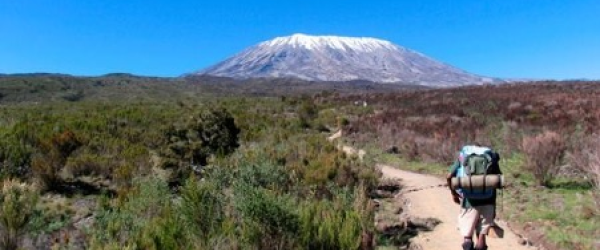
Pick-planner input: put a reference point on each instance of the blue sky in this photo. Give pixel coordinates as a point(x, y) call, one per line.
point(508, 38)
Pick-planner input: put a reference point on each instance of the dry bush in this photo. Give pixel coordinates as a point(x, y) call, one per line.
point(388, 138)
point(585, 157)
point(543, 154)
point(46, 165)
point(92, 165)
point(511, 137)
point(439, 149)
point(408, 145)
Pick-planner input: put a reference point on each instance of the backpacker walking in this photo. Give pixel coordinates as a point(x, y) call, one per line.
point(473, 180)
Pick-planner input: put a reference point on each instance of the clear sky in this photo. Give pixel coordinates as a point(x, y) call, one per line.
point(556, 39)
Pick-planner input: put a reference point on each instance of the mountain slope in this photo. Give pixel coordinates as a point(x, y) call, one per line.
point(331, 58)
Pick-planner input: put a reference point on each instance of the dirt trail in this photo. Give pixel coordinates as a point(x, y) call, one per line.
point(437, 203)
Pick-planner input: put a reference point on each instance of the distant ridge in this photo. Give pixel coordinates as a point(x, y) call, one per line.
point(335, 58)
point(38, 74)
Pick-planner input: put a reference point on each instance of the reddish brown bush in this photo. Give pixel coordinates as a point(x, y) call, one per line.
point(408, 145)
point(543, 154)
point(440, 149)
point(511, 138)
point(585, 157)
point(46, 165)
point(439, 120)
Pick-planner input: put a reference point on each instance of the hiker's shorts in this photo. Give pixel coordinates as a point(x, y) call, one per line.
point(478, 218)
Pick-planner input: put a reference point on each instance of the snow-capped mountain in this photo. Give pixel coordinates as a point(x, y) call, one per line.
point(333, 58)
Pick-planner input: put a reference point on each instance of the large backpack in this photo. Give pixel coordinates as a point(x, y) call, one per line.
point(474, 161)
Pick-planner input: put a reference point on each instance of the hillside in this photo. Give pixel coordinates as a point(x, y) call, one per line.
point(31, 88)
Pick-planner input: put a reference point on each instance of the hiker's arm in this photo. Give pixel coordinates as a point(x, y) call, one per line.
point(449, 183)
point(496, 166)
point(455, 195)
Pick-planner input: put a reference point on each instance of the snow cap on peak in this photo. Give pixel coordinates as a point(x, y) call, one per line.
point(336, 58)
point(336, 42)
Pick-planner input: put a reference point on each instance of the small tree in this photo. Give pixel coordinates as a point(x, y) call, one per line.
point(211, 132)
point(17, 203)
point(543, 154)
point(307, 112)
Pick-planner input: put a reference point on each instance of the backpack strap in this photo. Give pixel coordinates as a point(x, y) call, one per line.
point(470, 183)
point(484, 179)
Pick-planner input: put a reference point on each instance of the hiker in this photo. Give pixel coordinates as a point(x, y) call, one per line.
point(477, 200)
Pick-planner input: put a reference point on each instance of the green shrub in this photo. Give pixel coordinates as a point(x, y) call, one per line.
point(325, 225)
point(15, 158)
point(203, 208)
point(266, 175)
point(166, 232)
point(210, 133)
point(269, 220)
point(307, 112)
point(17, 204)
point(131, 221)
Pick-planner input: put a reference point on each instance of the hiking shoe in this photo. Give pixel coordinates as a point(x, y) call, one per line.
point(468, 245)
point(481, 248)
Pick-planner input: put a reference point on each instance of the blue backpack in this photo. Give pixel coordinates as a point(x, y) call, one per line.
point(475, 160)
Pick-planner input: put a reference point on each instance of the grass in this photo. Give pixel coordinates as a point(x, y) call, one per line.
point(567, 218)
point(416, 166)
point(564, 213)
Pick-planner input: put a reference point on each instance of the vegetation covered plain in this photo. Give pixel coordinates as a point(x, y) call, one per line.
point(126, 162)
point(174, 173)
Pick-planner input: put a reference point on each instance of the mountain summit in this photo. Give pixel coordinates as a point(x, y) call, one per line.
point(333, 58)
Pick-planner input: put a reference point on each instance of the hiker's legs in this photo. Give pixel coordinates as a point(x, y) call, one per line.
point(467, 221)
point(486, 214)
point(481, 244)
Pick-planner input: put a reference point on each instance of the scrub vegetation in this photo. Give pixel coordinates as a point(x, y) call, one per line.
point(546, 133)
point(126, 162)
